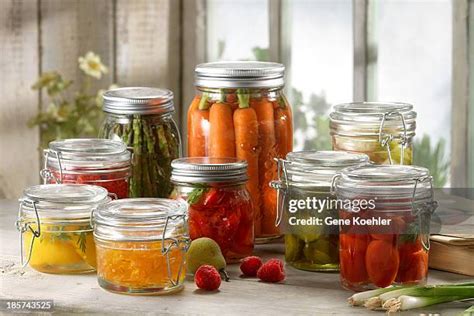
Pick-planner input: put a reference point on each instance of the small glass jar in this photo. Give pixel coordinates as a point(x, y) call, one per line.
point(54, 221)
point(240, 111)
point(387, 241)
point(220, 207)
point(307, 176)
point(383, 131)
point(142, 119)
point(94, 161)
point(141, 246)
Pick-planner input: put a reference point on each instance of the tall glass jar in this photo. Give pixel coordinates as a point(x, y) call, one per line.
point(220, 207)
point(95, 161)
point(387, 241)
point(240, 111)
point(306, 176)
point(141, 246)
point(383, 131)
point(54, 221)
point(142, 119)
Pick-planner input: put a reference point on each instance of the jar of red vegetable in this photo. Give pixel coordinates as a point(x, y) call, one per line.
point(220, 207)
point(384, 213)
point(240, 111)
point(101, 162)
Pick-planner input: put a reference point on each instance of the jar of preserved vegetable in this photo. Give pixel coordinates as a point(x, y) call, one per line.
point(141, 245)
point(240, 111)
point(54, 221)
point(95, 161)
point(142, 119)
point(311, 244)
point(383, 131)
point(387, 241)
point(220, 207)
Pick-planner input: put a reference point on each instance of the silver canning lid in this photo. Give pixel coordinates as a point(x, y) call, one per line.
point(121, 219)
point(138, 100)
point(240, 74)
point(206, 169)
point(63, 200)
point(88, 153)
point(366, 118)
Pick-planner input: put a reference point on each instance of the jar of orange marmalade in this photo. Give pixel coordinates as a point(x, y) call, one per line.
point(141, 245)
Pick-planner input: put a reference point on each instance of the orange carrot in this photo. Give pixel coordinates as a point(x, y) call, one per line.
point(246, 148)
point(289, 124)
point(198, 115)
point(222, 138)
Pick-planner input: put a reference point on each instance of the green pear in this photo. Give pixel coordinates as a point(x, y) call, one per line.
point(205, 251)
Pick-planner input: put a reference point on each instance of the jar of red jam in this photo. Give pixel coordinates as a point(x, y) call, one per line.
point(220, 206)
point(95, 161)
point(384, 221)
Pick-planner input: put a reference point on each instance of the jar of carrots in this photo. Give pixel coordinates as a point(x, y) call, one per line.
point(240, 111)
point(220, 207)
point(384, 224)
point(141, 245)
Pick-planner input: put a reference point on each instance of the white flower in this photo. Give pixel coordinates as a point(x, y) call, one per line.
point(92, 65)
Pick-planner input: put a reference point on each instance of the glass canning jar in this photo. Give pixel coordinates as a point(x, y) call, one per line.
point(220, 206)
point(54, 221)
point(386, 242)
point(141, 245)
point(142, 119)
point(308, 175)
point(240, 111)
point(383, 131)
point(95, 161)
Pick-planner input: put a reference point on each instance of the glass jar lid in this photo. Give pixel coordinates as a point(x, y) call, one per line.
point(371, 118)
point(140, 219)
point(87, 153)
point(206, 169)
point(240, 74)
point(138, 100)
point(63, 201)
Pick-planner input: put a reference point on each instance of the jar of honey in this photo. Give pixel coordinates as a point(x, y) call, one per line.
point(141, 245)
point(55, 228)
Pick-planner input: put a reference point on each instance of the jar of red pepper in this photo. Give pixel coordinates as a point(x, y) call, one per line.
point(384, 220)
point(220, 207)
point(95, 161)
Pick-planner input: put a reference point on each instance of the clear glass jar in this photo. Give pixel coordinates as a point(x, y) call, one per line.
point(141, 246)
point(220, 206)
point(142, 119)
point(383, 131)
point(54, 221)
point(94, 161)
point(240, 111)
point(387, 241)
point(307, 175)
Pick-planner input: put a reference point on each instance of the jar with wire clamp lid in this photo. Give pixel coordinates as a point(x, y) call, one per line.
point(220, 206)
point(54, 221)
point(94, 161)
point(384, 228)
point(383, 131)
point(305, 203)
point(141, 245)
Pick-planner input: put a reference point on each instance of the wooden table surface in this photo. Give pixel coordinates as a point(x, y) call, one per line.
point(302, 293)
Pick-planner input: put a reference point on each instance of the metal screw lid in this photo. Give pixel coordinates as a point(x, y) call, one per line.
point(240, 74)
point(325, 159)
point(138, 100)
point(206, 169)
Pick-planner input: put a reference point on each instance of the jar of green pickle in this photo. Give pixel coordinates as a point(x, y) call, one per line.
point(383, 131)
point(305, 201)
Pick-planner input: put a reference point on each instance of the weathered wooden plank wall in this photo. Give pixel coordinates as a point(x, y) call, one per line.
point(139, 40)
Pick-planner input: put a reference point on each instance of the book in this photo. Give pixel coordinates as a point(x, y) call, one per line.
point(453, 253)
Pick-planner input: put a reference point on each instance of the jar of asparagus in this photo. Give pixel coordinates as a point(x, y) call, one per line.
point(306, 202)
point(383, 131)
point(54, 221)
point(240, 111)
point(142, 119)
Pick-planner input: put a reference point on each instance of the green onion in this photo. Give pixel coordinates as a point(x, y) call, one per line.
point(406, 302)
point(358, 299)
point(430, 291)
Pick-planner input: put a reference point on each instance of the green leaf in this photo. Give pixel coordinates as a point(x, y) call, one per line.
point(196, 195)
